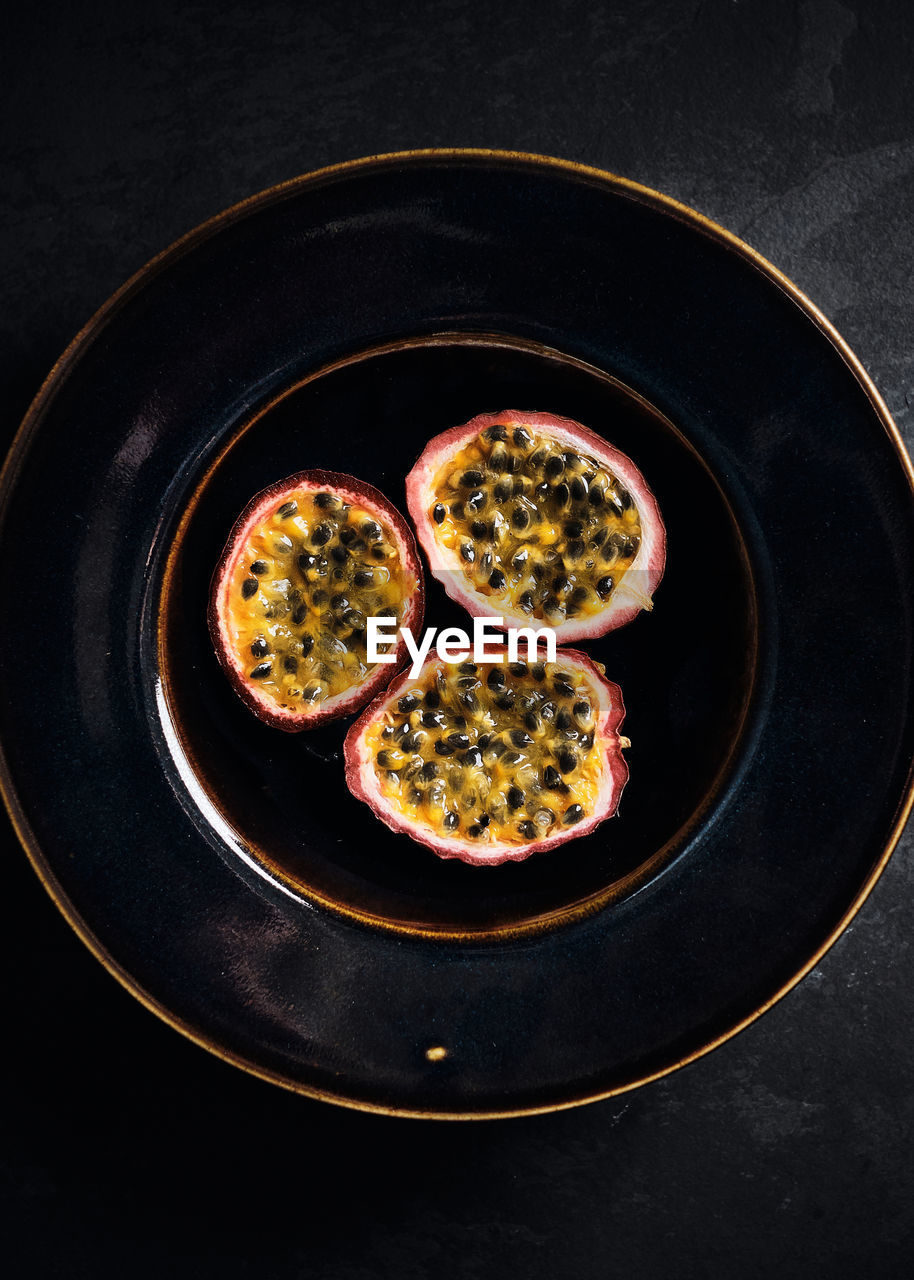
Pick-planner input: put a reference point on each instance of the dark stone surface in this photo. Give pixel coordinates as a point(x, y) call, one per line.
point(126, 1149)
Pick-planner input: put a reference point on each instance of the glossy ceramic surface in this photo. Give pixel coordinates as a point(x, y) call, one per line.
point(222, 870)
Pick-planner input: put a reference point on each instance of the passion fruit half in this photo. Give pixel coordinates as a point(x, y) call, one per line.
point(307, 562)
point(491, 763)
point(530, 516)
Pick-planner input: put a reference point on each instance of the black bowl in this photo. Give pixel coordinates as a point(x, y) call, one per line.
point(223, 871)
point(688, 688)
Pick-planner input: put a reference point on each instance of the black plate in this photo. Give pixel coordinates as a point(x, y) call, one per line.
point(221, 869)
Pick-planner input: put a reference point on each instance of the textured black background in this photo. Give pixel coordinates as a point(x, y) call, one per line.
point(126, 1150)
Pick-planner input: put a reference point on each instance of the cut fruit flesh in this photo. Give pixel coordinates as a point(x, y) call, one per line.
point(491, 763)
point(532, 517)
point(309, 560)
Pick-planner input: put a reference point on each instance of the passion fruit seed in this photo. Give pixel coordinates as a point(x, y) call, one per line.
point(563, 521)
point(282, 610)
point(495, 773)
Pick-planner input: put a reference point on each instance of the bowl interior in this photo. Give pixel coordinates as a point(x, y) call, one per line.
point(686, 670)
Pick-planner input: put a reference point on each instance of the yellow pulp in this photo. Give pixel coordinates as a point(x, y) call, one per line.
point(537, 526)
point(300, 590)
point(496, 753)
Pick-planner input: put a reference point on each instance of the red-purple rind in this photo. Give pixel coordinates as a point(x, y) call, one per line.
point(360, 772)
point(351, 489)
point(646, 569)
